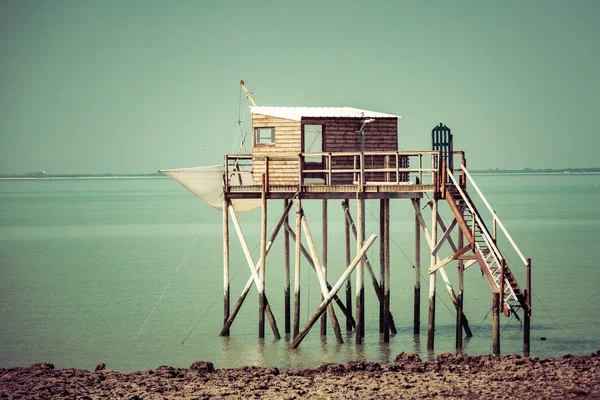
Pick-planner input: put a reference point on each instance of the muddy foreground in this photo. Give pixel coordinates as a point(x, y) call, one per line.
point(450, 376)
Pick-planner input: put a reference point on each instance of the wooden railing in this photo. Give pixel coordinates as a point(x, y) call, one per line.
point(365, 168)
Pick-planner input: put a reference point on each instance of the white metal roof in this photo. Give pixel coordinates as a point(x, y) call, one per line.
point(296, 113)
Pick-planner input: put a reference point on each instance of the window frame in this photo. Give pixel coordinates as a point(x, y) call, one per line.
point(313, 159)
point(256, 136)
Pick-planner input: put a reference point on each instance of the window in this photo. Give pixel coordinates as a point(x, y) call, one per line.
point(313, 142)
point(264, 136)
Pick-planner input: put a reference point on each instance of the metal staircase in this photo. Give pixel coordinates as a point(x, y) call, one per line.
point(485, 248)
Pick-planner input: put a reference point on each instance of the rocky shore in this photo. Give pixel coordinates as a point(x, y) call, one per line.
point(450, 376)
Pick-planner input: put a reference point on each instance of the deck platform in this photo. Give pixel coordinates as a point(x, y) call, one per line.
point(370, 191)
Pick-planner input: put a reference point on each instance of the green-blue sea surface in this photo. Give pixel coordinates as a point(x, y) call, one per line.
point(129, 272)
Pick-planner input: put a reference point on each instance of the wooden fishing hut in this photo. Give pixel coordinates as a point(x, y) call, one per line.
point(313, 153)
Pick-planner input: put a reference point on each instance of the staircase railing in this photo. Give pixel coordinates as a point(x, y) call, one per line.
point(495, 217)
point(499, 273)
point(477, 218)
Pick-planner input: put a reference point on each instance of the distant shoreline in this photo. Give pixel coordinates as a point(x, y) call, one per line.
point(533, 173)
point(32, 178)
point(160, 176)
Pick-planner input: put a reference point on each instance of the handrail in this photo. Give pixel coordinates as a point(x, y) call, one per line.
point(357, 163)
point(495, 216)
point(476, 216)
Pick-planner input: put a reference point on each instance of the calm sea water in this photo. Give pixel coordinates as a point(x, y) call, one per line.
point(85, 264)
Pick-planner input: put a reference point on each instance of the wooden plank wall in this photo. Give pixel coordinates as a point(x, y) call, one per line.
point(287, 141)
point(341, 135)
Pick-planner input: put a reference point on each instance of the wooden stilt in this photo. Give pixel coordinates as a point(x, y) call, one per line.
point(297, 267)
point(254, 272)
point(226, 287)
point(308, 259)
point(319, 270)
point(376, 285)
point(286, 271)
point(381, 262)
point(417, 287)
point(248, 286)
point(527, 314)
point(360, 295)
point(464, 320)
point(324, 264)
point(496, 323)
point(349, 320)
point(459, 297)
point(263, 254)
point(386, 277)
point(323, 306)
point(432, 280)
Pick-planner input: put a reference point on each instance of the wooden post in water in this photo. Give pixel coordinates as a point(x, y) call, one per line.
point(459, 297)
point(297, 267)
point(496, 323)
point(263, 255)
point(417, 291)
point(349, 323)
point(381, 262)
point(360, 270)
point(225, 264)
point(527, 313)
point(432, 279)
point(324, 265)
point(324, 304)
point(286, 271)
point(386, 275)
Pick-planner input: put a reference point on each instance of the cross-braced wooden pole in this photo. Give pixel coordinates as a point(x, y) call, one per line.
point(432, 279)
point(323, 306)
point(324, 264)
point(360, 288)
point(417, 287)
point(297, 267)
point(349, 321)
point(286, 270)
point(225, 265)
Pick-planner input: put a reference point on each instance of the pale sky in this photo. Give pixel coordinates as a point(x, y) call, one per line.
point(134, 86)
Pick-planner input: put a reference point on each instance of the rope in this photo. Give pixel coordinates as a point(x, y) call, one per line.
point(220, 294)
point(173, 275)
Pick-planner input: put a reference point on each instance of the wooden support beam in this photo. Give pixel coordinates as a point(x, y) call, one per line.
point(349, 319)
point(376, 286)
point(446, 234)
point(417, 206)
point(248, 286)
point(286, 269)
point(347, 312)
point(453, 297)
point(432, 281)
point(324, 264)
point(527, 311)
point(496, 323)
point(381, 261)
point(323, 306)
point(226, 285)
point(387, 319)
point(450, 258)
point(501, 300)
point(417, 288)
point(263, 255)
point(254, 272)
point(297, 264)
point(360, 287)
point(459, 308)
point(319, 270)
